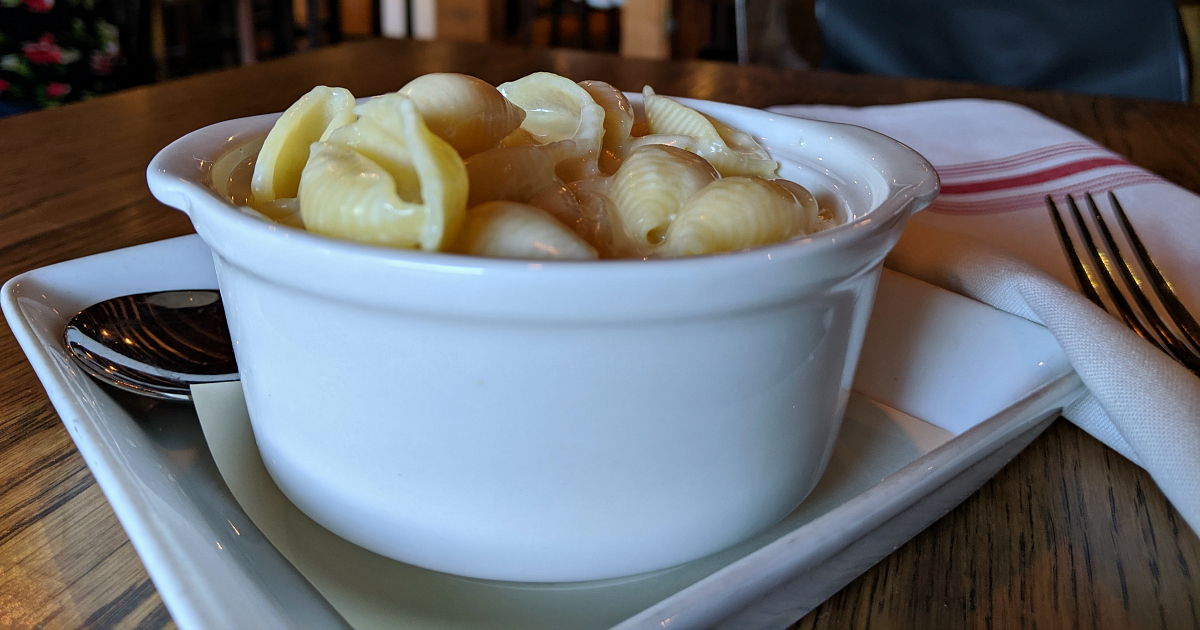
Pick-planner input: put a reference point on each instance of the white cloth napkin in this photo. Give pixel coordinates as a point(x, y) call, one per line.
point(989, 236)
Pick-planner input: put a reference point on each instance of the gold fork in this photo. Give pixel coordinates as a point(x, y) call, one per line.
point(1181, 343)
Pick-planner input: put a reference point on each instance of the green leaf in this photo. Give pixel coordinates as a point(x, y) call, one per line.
point(17, 64)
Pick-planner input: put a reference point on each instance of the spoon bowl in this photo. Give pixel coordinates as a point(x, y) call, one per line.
point(155, 344)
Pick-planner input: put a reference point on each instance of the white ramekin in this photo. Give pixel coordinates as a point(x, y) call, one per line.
point(552, 421)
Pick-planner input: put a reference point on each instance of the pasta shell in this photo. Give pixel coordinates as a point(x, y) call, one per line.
point(379, 135)
point(515, 173)
point(812, 208)
point(560, 202)
point(739, 212)
point(651, 185)
point(598, 223)
point(686, 143)
point(526, 174)
point(346, 195)
point(618, 121)
point(558, 109)
point(284, 211)
point(285, 151)
point(519, 138)
point(506, 229)
point(731, 151)
point(467, 112)
point(400, 185)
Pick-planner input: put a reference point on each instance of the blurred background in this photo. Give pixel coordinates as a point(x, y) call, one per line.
point(56, 51)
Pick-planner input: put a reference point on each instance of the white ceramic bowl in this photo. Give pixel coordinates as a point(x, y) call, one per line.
point(551, 421)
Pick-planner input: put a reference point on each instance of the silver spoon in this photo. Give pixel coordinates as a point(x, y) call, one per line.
point(155, 344)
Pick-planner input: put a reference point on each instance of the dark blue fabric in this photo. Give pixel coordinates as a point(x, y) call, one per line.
point(8, 108)
point(1116, 47)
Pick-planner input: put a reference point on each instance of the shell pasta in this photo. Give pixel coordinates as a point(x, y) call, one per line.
point(285, 151)
point(731, 151)
point(506, 229)
point(735, 213)
point(538, 168)
point(385, 179)
point(557, 108)
point(650, 187)
point(464, 111)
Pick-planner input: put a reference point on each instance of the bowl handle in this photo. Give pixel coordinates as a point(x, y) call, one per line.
point(174, 172)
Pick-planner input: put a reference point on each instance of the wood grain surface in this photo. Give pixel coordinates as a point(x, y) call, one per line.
point(1069, 534)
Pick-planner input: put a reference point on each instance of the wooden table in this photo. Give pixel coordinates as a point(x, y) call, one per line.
point(1069, 534)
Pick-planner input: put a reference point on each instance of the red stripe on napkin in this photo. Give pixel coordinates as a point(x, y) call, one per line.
point(1037, 199)
point(1019, 160)
point(1036, 177)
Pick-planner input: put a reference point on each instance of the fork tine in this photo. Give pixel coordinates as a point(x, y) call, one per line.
point(1166, 338)
point(1103, 271)
point(1175, 309)
point(1077, 268)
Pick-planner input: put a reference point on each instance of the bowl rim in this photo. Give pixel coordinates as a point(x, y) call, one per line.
point(177, 177)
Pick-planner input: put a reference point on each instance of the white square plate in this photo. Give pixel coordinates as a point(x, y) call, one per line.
point(948, 391)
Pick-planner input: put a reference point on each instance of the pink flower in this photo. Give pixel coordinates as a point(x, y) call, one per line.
point(58, 90)
point(39, 6)
point(43, 51)
point(102, 64)
point(3, 85)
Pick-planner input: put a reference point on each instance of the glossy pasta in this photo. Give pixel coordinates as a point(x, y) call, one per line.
point(541, 167)
point(556, 109)
point(385, 179)
point(736, 213)
point(731, 151)
point(506, 229)
point(618, 122)
point(285, 151)
point(651, 185)
point(464, 111)
point(516, 173)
